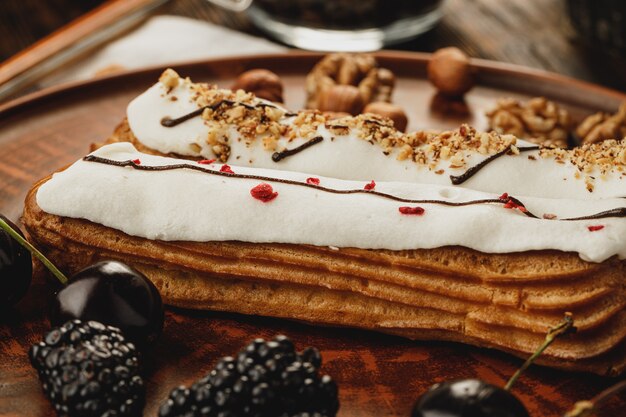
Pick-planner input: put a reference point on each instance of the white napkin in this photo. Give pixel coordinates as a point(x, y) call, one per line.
point(165, 40)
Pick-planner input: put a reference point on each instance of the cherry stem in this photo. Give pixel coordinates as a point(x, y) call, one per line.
point(563, 327)
point(585, 408)
point(33, 250)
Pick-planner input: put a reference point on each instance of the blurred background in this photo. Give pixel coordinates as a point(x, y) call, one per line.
point(579, 38)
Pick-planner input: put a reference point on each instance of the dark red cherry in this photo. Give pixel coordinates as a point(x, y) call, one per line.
point(468, 398)
point(16, 267)
point(112, 293)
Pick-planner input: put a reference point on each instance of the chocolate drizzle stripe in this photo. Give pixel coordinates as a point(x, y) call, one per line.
point(129, 163)
point(617, 212)
point(169, 122)
point(277, 156)
point(460, 179)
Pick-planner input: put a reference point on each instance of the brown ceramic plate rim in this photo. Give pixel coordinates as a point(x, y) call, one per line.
point(484, 70)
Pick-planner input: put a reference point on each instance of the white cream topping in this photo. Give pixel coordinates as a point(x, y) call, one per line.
point(188, 205)
point(350, 157)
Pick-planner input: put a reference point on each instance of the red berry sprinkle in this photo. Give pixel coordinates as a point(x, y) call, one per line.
point(511, 204)
point(370, 186)
point(595, 228)
point(206, 161)
point(137, 161)
point(226, 168)
point(418, 211)
point(313, 180)
point(263, 192)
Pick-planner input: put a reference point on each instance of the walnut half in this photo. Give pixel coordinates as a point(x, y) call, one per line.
point(538, 120)
point(602, 126)
point(357, 70)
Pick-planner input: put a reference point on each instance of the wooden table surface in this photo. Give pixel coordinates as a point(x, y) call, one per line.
point(535, 33)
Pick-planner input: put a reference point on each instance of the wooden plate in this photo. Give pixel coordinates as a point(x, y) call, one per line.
point(378, 375)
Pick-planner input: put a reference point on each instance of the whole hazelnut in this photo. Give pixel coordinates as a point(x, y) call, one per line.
point(390, 111)
point(341, 98)
point(386, 78)
point(262, 83)
point(449, 70)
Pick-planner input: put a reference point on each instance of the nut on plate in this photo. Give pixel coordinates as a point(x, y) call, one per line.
point(341, 98)
point(391, 111)
point(262, 83)
point(602, 126)
point(455, 107)
point(360, 71)
point(450, 71)
point(538, 120)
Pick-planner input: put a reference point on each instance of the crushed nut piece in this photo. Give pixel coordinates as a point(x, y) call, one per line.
point(169, 78)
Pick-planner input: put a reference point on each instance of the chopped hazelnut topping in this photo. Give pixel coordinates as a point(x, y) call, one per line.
point(270, 143)
point(259, 121)
point(273, 113)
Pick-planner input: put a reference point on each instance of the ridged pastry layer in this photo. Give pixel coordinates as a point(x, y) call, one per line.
point(503, 301)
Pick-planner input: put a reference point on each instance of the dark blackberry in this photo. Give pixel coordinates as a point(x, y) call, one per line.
point(88, 369)
point(16, 267)
point(266, 379)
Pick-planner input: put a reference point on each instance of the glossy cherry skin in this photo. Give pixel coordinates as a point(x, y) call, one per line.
point(112, 293)
point(468, 398)
point(16, 268)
